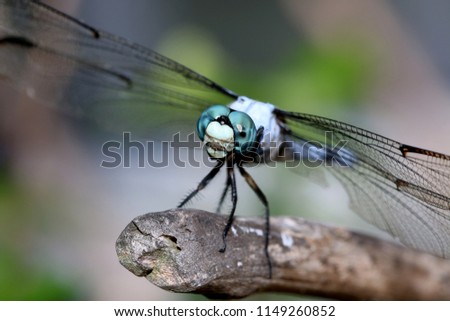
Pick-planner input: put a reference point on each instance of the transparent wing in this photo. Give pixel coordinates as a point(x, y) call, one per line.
point(75, 67)
point(399, 188)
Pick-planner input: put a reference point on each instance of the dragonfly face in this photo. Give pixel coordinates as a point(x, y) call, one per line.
point(224, 131)
point(402, 189)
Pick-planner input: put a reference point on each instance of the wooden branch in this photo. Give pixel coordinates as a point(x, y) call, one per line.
point(177, 250)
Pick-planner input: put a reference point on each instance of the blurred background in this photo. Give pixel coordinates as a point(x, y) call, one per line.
point(380, 65)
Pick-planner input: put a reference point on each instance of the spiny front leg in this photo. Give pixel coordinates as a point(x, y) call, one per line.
point(232, 180)
point(224, 194)
point(204, 182)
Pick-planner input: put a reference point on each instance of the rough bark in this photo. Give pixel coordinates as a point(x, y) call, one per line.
point(177, 250)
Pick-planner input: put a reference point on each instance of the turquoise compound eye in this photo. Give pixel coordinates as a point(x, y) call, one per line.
point(244, 130)
point(210, 114)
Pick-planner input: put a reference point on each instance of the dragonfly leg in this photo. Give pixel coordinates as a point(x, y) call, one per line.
point(224, 194)
point(231, 179)
point(204, 182)
point(251, 182)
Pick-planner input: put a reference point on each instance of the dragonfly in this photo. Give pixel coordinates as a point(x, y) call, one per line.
point(401, 189)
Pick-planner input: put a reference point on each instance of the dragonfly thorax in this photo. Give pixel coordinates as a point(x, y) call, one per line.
point(262, 115)
point(224, 130)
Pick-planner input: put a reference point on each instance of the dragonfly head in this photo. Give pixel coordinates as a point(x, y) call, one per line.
point(224, 130)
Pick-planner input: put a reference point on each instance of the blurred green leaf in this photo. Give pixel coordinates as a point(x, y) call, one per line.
point(21, 281)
